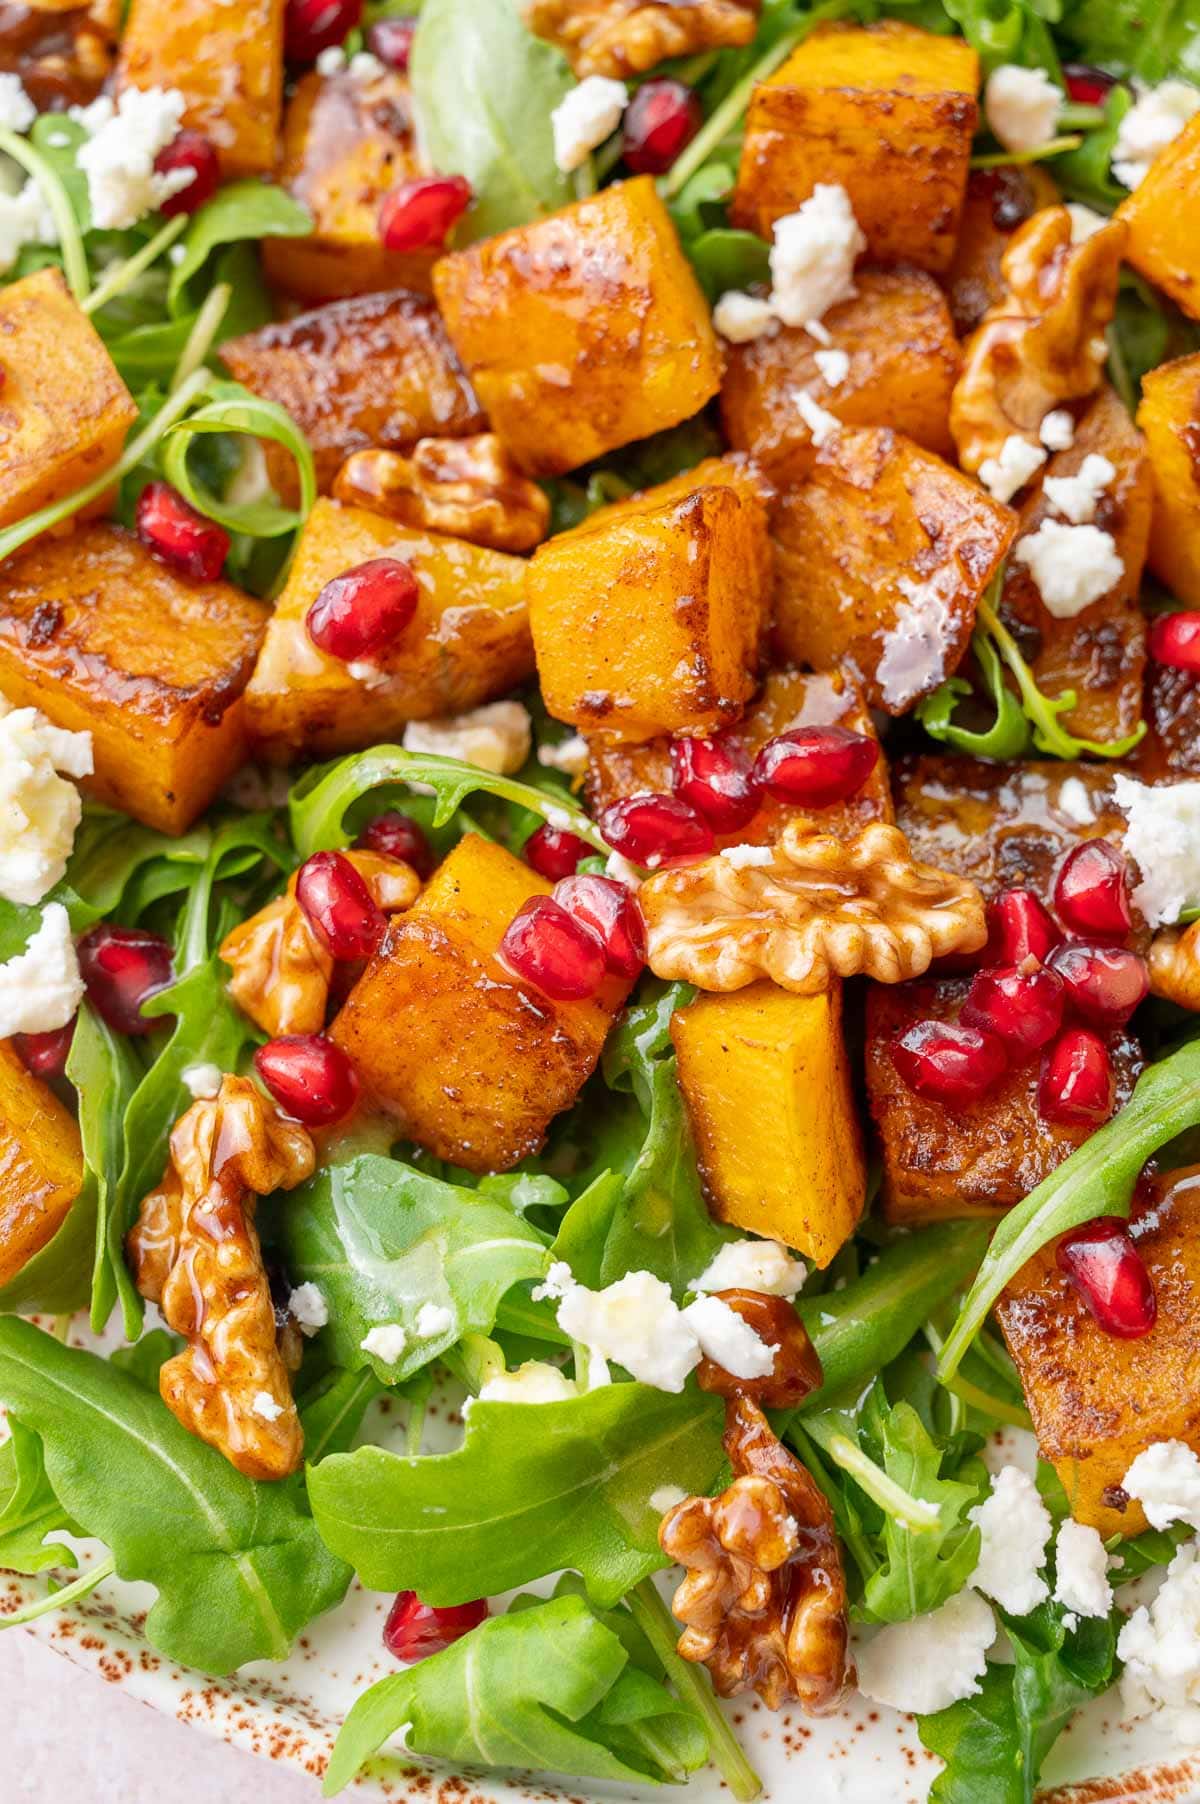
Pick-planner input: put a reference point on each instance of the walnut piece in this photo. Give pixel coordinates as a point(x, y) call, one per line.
point(797, 1368)
point(281, 971)
point(469, 488)
point(822, 908)
point(194, 1251)
point(764, 1600)
point(624, 37)
point(61, 55)
point(1043, 343)
point(1174, 961)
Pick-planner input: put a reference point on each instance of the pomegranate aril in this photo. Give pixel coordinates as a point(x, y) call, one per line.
point(414, 1630)
point(816, 766)
point(1092, 891)
point(1019, 928)
point(122, 968)
point(339, 907)
point(1102, 1264)
point(396, 835)
point(310, 26)
point(553, 950)
point(948, 1063)
point(391, 41)
point(180, 535)
point(420, 215)
point(1175, 639)
point(189, 150)
point(1023, 1007)
point(715, 777)
point(1076, 1085)
point(310, 1078)
point(554, 852)
point(45, 1055)
point(611, 910)
point(655, 829)
point(364, 611)
point(1103, 983)
point(1086, 85)
point(662, 118)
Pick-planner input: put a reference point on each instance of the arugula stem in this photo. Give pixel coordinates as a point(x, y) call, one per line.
point(1077, 116)
point(1119, 372)
point(1002, 159)
point(1014, 1414)
point(660, 1629)
point(202, 334)
point(70, 238)
point(124, 274)
point(584, 179)
point(414, 1428)
point(56, 1600)
point(62, 1327)
point(1041, 710)
point(891, 1497)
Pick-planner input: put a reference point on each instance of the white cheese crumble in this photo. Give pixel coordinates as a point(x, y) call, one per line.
point(570, 755)
point(1014, 1525)
point(533, 1382)
point(118, 158)
point(201, 1081)
point(39, 811)
point(17, 111)
point(24, 219)
point(744, 858)
point(636, 1323)
point(623, 870)
point(308, 1308)
point(585, 117)
point(496, 737)
point(727, 1339)
point(387, 1342)
point(265, 1407)
point(741, 318)
point(1058, 430)
point(1021, 106)
point(834, 365)
point(371, 675)
point(813, 256)
point(914, 652)
point(558, 1283)
point(666, 1498)
point(1074, 801)
point(1081, 1570)
point(433, 1319)
point(821, 424)
point(1073, 566)
point(761, 1265)
point(1155, 121)
point(1085, 223)
point(331, 60)
point(1002, 476)
point(1165, 1480)
point(1163, 836)
point(364, 66)
point(1077, 497)
point(40, 988)
point(931, 1661)
point(1160, 1645)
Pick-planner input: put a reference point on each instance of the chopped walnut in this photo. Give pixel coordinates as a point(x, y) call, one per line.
point(822, 907)
point(797, 1368)
point(1175, 965)
point(195, 1252)
point(625, 37)
point(62, 56)
point(281, 971)
point(1043, 344)
point(764, 1601)
point(469, 488)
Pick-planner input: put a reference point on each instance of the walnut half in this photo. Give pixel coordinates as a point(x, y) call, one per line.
point(823, 907)
point(469, 488)
point(624, 37)
point(1174, 962)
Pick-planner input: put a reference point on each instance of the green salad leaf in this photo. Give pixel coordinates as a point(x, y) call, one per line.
point(245, 211)
point(232, 408)
point(29, 1510)
point(1135, 37)
point(104, 1069)
point(332, 1412)
point(1008, 735)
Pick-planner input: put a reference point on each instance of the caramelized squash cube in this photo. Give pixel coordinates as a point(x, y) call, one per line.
point(998, 201)
point(41, 1164)
point(64, 411)
point(767, 1084)
point(467, 643)
point(104, 637)
point(1161, 216)
point(1171, 748)
point(882, 556)
point(1169, 416)
point(226, 61)
point(583, 331)
point(886, 112)
point(472, 1063)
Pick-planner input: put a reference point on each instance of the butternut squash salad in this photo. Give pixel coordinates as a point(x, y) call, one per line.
point(600, 799)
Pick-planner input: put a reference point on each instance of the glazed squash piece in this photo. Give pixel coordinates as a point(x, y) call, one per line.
point(1171, 748)
point(1169, 416)
point(41, 1164)
point(1161, 216)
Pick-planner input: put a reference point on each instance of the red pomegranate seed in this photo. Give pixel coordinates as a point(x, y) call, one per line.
point(551, 949)
point(610, 909)
point(310, 26)
point(948, 1063)
point(1076, 1085)
point(415, 1630)
point(1175, 639)
point(1092, 891)
point(396, 835)
point(1088, 86)
point(338, 906)
point(660, 120)
point(364, 611)
point(714, 775)
point(122, 968)
point(391, 41)
point(45, 1055)
point(179, 534)
point(816, 766)
point(189, 150)
point(1019, 928)
point(1023, 1007)
point(1104, 1266)
point(554, 852)
point(655, 829)
point(419, 215)
point(310, 1078)
point(1103, 983)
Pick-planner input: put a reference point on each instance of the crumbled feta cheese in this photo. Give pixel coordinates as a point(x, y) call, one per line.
point(1163, 835)
point(727, 1339)
point(386, 1342)
point(256, 787)
point(620, 868)
point(740, 318)
point(1058, 430)
point(813, 256)
point(24, 219)
point(265, 1407)
point(914, 652)
point(533, 1382)
point(636, 1323)
point(40, 988)
point(39, 811)
point(1160, 1645)
point(1021, 106)
point(1075, 802)
point(1149, 126)
point(1078, 496)
point(1085, 223)
point(433, 1319)
point(1073, 566)
point(369, 674)
point(820, 423)
point(1015, 1526)
point(118, 158)
point(201, 1081)
point(1081, 1568)
point(930, 1661)
point(1018, 460)
point(570, 755)
point(365, 67)
point(331, 60)
point(834, 366)
point(558, 1283)
point(666, 1497)
point(761, 1265)
point(744, 858)
point(585, 117)
point(496, 737)
point(17, 111)
point(1165, 1480)
point(308, 1308)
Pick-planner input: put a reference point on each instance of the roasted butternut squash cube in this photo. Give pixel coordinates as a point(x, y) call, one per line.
point(41, 1164)
point(998, 201)
point(1171, 748)
point(61, 55)
point(1169, 416)
point(904, 362)
point(1097, 1401)
point(64, 411)
point(471, 1062)
point(1161, 216)
point(103, 637)
point(647, 618)
point(583, 331)
point(767, 1084)
point(227, 64)
point(347, 139)
point(467, 643)
point(886, 112)
point(882, 556)
point(939, 1164)
point(374, 370)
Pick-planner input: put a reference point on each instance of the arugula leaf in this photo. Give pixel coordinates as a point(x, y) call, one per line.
point(535, 1487)
point(331, 1413)
point(1150, 38)
point(230, 408)
point(239, 1568)
point(105, 1071)
point(1008, 735)
point(29, 1510)
point(247, 210)
point(146, 1357)
point(1043, 711)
